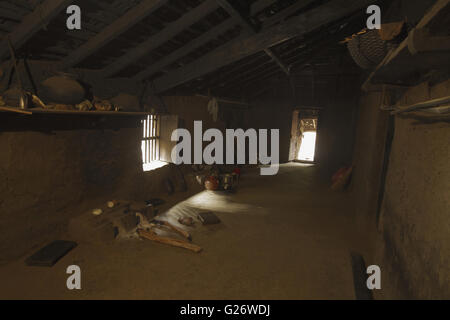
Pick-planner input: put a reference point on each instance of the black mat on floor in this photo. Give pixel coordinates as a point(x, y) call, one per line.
point(360, 277)
point(208, 218)
point(50, 254)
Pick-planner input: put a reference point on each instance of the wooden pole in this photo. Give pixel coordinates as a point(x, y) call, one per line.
point(172, 242)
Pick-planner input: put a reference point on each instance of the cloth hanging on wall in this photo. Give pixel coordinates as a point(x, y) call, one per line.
point(213, 108)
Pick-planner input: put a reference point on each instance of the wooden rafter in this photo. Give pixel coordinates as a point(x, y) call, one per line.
point(154, 42)
point(115, 29)
point(260, 5)
point(231, 72)
point(313, 48)
point(242, 48)
point(183, 51)
point(283, 14)
point(32, 23)
point(246, 24)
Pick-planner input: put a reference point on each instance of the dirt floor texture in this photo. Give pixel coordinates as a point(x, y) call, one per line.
point(282, 237)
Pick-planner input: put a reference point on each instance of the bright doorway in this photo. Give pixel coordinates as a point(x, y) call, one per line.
point(304, 135)
point(307, 147)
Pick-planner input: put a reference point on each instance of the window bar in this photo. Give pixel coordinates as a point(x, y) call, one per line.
point(143, 141)
point(154, 139)
point(157, 135)
point(151, 138)
point(146, 141)
point(150, 121)
point(148, 138)
point(145, 136)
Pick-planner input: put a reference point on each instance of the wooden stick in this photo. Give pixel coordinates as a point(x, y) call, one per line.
point(13, 58)
point(172, 242)
point(183, 233)
point(17, 110)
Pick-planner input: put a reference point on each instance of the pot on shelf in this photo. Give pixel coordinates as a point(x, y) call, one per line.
point(16, 97)
point(62, 89)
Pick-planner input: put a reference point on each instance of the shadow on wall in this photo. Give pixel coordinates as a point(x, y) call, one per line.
point(413, 239)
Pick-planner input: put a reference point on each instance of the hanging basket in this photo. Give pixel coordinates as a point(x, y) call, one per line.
point(368, 49)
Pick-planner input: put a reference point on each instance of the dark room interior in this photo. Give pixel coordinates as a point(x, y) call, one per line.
point(225, 149)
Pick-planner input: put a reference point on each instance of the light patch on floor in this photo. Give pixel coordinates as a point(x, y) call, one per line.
point(297, 247)
point(213, 201)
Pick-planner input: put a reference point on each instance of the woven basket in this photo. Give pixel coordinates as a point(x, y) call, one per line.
point(368, 50)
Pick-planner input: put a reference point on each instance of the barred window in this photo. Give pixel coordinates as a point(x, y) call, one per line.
point(150, 143)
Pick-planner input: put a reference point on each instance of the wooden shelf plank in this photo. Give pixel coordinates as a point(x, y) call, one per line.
point(32, 111)
point(401, 67)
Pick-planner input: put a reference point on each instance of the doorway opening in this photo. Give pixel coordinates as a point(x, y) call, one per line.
point(307, 148)
point(304, 135)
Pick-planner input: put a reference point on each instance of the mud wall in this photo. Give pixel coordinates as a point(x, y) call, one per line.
point(337, 98)
point(412, 242)
point(194, 108)
point(50, 166)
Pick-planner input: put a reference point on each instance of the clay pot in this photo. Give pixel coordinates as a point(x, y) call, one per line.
point(212, 184)
point(126, 102)
point(62, 89)
point(103, 105)
point(16, 97)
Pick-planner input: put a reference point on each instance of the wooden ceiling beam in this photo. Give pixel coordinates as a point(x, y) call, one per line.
point(160, 38)
point(185, 50)
point(112, 31)
point(241, 48)
point(260, 5)
point(246, 24)
point(285, 13)
point(32, 23)
point(216, 79)
point(234, 75)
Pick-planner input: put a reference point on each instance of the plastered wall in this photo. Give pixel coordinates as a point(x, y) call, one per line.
point(412, 242)
point(53, 168)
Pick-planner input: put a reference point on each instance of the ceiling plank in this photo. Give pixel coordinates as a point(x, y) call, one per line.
point(183, 51)
point(242, 48)
point(115, 29)
point(235, 14)
point(163, 36)
point(260, 5)
point(285, 13)
point(32, 23)
point(277, 60)
point(246, 24)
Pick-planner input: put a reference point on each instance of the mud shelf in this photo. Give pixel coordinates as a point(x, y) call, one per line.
point(32, 111)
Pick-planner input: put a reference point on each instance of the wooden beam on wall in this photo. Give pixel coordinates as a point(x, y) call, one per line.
point(115, 29)
point(183, 51)
point(241, 48)
point(164, 35)
point(32, 23)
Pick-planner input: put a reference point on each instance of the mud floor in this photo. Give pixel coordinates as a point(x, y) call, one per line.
point(282, 237)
